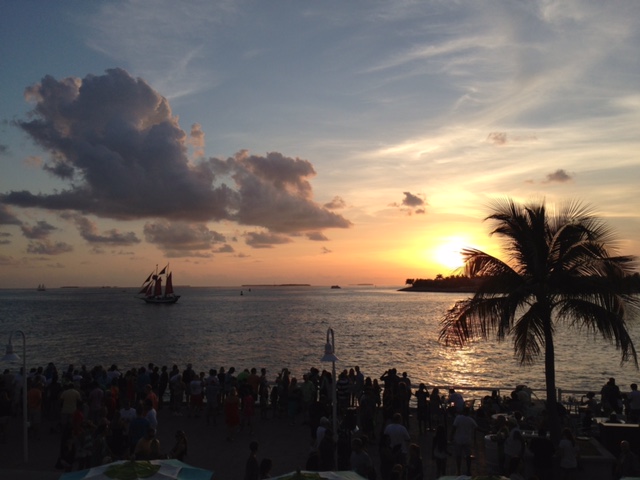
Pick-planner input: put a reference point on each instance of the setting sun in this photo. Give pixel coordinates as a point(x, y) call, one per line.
point(449, 254)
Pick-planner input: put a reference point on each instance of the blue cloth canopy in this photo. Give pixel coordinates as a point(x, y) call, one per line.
point(169, 469)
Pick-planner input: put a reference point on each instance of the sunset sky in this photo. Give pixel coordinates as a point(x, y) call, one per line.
point(321, 142)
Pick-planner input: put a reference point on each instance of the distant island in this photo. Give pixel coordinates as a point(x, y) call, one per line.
point(279, 285)
point(464, 284)
point(454, 283)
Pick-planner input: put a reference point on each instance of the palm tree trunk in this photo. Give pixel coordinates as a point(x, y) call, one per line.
point(553, 416)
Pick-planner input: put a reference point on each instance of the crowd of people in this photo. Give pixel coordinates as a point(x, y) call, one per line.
point(105, 414)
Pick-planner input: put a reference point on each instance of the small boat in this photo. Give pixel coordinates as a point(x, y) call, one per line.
point(41, 287)
point(151, 290)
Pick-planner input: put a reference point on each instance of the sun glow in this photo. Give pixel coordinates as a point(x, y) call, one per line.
point(449, 254)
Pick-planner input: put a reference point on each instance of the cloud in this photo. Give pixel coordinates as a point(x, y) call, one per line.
point(226, 248)
point(325, 250)
point(196, 139)
point(274, 192)
point(34, 161)
point(89, 232)
point(182, 36)
point(116, 144)
point(411, 200)
point(182, 237)
point(497, 138)
point(8, 261)
point(45, 247)
point(501, 138)
point(411, 203)
point(5, 238)
point(317, 236)
point(265, 239)
point(39, 231)
point(335, 204)
point(8, 218)
point(55, 265)
point(559, 176)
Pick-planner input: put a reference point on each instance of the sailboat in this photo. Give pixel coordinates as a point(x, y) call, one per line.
point(151, 290)
point(41, 287)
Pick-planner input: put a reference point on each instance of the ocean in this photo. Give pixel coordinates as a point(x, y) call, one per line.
point(277, 327)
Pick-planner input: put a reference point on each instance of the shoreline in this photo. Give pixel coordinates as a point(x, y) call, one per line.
point(438, 290)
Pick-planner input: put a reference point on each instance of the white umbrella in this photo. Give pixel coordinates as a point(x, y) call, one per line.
point(141, 470)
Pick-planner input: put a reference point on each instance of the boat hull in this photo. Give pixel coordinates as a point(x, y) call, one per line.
point(161, 300)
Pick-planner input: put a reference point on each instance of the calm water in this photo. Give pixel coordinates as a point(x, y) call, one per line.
point(278, 327)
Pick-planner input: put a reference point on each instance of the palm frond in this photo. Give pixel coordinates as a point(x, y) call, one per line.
point(528, 333)
point(481, 264)
point(480, 317)
point(604, 315)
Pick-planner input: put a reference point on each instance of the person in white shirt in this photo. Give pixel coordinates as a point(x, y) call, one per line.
point(197, 394)
point(127, 414)
point(633, 404)
point(514, 447)
point(399, 437)
point(462, 434)
point(150, 414)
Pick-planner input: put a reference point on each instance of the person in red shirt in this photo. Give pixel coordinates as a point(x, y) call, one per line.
point(34, 408)
point(151, 395)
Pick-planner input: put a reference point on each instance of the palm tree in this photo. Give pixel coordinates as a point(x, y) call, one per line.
point(559, 271)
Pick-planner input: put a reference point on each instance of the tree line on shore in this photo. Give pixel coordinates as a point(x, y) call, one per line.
point(465, 284)
point(453, 283)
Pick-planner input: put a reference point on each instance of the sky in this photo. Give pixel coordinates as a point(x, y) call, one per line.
point(320, 142)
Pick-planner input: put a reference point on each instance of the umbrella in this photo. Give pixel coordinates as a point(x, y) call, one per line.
point(141, 470)
point(481, 477)
point(304, 475)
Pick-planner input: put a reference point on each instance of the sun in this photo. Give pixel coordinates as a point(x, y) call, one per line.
point(449, 254)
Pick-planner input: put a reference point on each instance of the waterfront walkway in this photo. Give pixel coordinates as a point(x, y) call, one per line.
point(288, 446)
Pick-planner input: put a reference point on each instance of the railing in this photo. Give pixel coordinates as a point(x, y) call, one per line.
point(444, 391)
point(561, 392)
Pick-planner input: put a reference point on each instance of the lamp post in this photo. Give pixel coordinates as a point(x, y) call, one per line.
point(330, 356)
point(11, 357)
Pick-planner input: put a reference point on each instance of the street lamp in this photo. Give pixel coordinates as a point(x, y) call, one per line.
point(330, 356)
point(11, 357)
